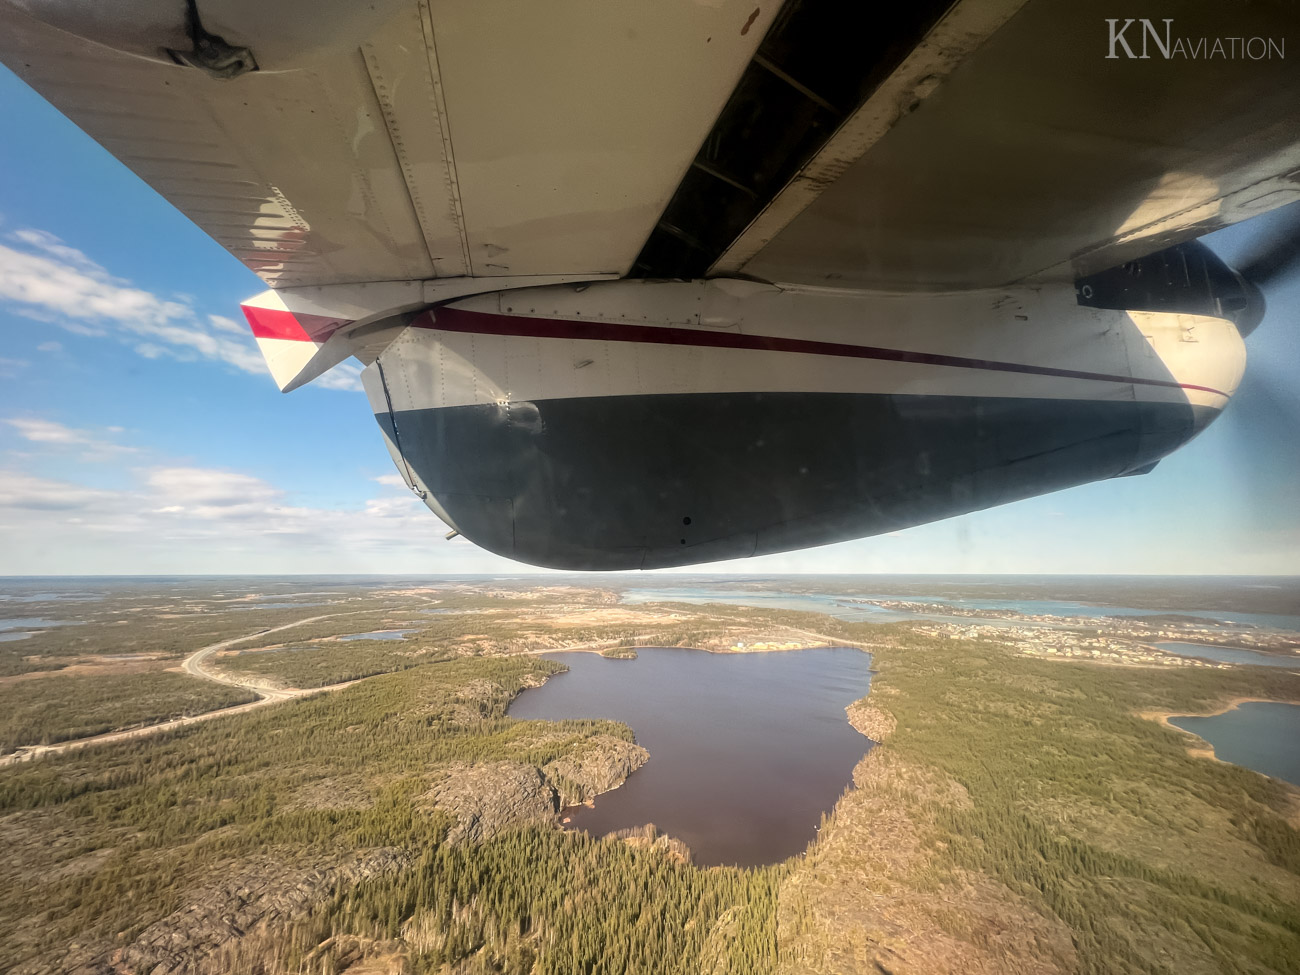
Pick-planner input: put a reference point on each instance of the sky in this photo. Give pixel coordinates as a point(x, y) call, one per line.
point(141, 434)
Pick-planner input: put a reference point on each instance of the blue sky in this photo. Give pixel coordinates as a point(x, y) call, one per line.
point(140, 433)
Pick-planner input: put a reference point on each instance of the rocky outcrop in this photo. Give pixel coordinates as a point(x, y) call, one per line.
point(488, 799)
point(648, 837)
point(599, 764)
point(480, 700)
point(870, 721)
point(253, 898)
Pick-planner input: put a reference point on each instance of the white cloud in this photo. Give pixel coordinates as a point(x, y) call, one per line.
point(26, 493)
point(66, 282)
point(12, 367)
point(390, 480)
point(49, 433)
point(345, 376)
point(76, 328)
point(208, 492)
point(47, 242)
point(47, 280)
point(225, 324)
point(388, 507)
point(179, 519)
point(50, 347)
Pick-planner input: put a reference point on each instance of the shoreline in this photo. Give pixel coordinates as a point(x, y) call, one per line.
point(831, 644)
point(1233, 703)
point(873, 724)
point(1205, 749)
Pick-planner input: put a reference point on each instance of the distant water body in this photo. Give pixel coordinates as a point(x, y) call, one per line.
point(746, 750)
point(27, 623)
point(1260, 736)
point(20, 627)
point(842, 606)
point(1261, 600)
point(1227, 655)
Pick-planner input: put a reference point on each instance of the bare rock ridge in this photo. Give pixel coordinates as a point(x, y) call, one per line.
point(648, 837)
point(490, 798)
point(870, 721)
point(227, 922)
point(604, 763)
point(252, 897)
point(257, 896)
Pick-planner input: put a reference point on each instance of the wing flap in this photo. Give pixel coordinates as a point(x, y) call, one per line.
point(1042, 156)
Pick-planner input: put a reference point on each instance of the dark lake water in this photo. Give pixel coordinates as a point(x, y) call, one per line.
point(1227, 655)
point(1261, 736)
point(746, 750)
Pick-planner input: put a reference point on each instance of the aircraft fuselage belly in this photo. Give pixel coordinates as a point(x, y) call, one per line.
point(644, 424)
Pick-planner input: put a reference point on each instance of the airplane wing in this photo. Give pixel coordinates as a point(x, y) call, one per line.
point(930, 145)
point(413, 140)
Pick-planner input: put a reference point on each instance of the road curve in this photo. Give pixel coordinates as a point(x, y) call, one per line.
point(193, 666)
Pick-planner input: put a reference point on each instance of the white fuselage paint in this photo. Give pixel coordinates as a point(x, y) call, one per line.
point(985, 341)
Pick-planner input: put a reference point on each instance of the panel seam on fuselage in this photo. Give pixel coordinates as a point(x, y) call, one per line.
point(486, 323)
point(392, 420)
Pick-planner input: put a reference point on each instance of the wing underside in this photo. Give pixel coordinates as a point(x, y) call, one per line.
point(952, 145)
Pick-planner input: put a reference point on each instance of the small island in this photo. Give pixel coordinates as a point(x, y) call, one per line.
point(619, 653)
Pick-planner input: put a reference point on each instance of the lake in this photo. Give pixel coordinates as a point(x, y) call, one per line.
point(838, 607)
point(842, 606)
point(1260, 736)
point(29, 623)
point(21, 627)
point(1227, 655)
point(746, 750)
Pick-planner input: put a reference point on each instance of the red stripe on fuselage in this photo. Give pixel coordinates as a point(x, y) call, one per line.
point(486, 323)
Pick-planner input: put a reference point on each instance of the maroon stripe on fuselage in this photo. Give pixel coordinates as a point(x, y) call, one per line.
point(487, 323)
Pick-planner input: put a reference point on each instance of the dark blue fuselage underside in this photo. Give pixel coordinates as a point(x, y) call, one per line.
point(647, 481)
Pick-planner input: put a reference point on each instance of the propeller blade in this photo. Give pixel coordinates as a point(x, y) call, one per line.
point(1277, 254)
point(1259, 429)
